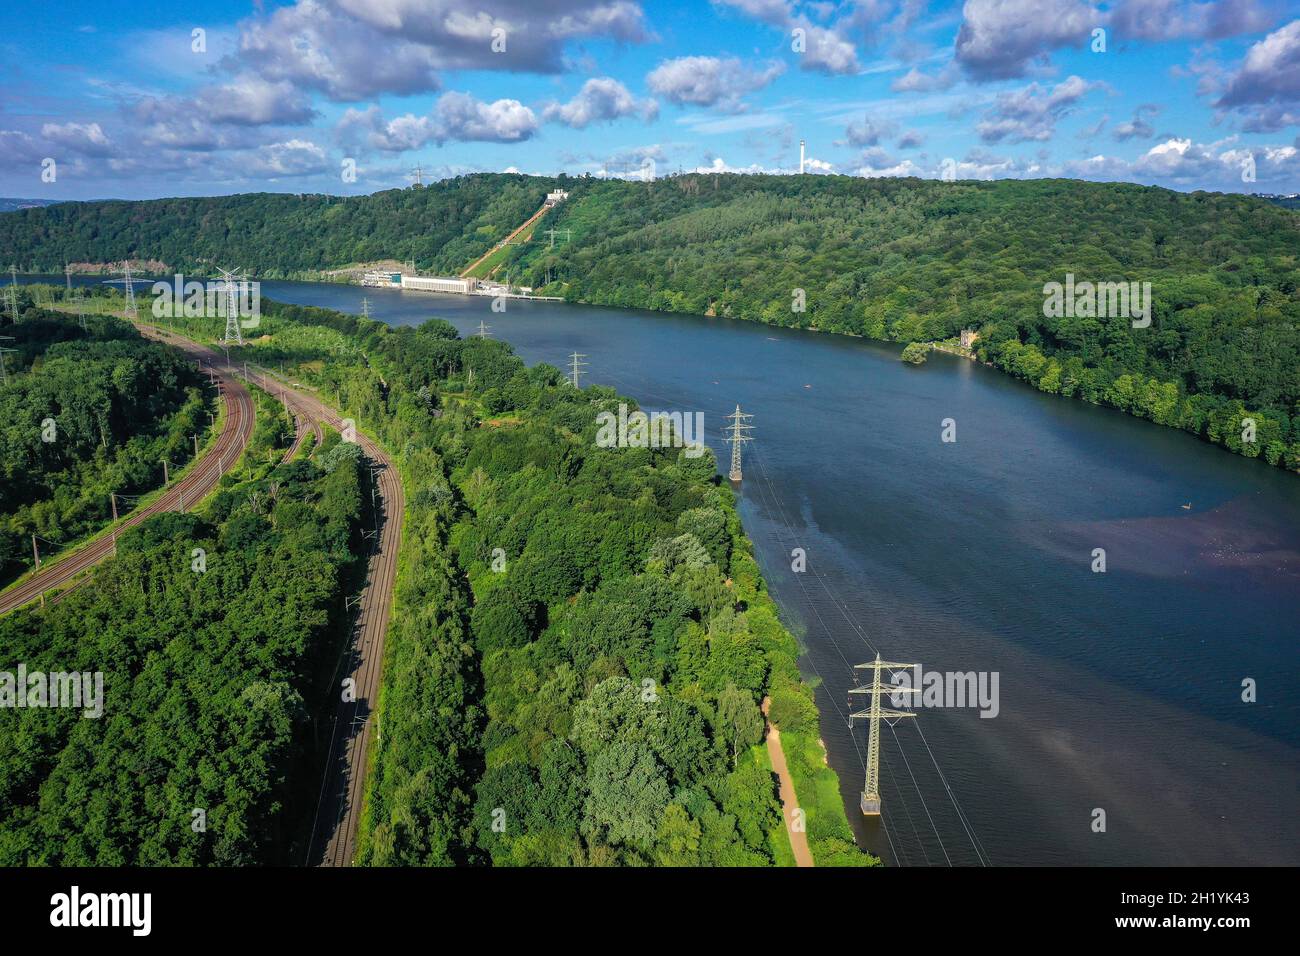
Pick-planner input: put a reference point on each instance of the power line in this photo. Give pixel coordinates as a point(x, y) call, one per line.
point(980, 853)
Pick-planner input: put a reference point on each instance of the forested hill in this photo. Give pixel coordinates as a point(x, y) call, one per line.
point(278, 235)
point(899, 259)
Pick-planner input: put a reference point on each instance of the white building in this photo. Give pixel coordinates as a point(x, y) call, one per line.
point(557, 196)
point(437, 284)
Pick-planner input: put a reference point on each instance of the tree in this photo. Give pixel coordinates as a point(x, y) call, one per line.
point(740, 719)
point(627, 794)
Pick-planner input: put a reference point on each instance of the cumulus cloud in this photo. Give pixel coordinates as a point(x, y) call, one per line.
point(914, 81)
point(867, 132)
point(1181, 162)
point(824, 48)
point(295, 157)
point(1031, 112)
point(602, 99)
point(912, 139)
point(709, 81)
point(20, 150)
point(1266, 88)
point(1137, 127)
point(369, 128)
point(1159, 20)
point(459, 116)
point(85, 138)
point(998, 39)
point(455, 117)
point(358, 49)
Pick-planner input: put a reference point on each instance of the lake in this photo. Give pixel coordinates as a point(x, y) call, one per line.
point(1118, 692)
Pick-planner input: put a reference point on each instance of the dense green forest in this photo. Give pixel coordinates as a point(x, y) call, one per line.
point(906, 260)
point(581, 637)
point(216, 634)
point(85, 412)
point(276, 235)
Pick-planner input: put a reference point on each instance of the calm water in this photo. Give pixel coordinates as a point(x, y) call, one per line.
point(1118, 691)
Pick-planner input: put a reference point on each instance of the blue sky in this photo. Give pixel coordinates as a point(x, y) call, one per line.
point(290, 96)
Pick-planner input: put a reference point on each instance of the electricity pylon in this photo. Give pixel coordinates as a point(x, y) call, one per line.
point(738, 434)
point(129, 311)
point(874, 713)
point(568, 235)
point(576, 367)
point(234, 335)
point(128, 287)
point(419, 176)
point(11, 294)
point(4, 374)
point(484, 330)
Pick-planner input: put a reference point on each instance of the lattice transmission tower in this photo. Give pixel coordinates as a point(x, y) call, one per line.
point(233, 284)
point(738, 432)
point(874, 714)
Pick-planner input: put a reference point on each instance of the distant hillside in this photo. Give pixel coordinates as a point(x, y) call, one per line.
point(898, 259)
point(1286, 202)
point(9, 205)
point(279, 235)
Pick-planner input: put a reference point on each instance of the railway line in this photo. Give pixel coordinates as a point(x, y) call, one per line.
point(338, 811)
point(192, 488)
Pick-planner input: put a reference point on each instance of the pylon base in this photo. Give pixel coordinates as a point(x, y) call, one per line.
point(870, 806)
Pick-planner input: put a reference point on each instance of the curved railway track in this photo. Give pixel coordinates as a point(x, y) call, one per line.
point(338, 811)
point(338, 814)
point(192, 488)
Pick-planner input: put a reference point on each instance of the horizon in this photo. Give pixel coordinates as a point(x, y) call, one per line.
point(345, 98)
point(44, 203)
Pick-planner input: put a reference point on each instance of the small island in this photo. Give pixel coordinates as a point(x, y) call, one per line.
point(916, 353)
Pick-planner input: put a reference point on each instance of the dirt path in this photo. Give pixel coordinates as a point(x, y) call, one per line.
point(789, 802)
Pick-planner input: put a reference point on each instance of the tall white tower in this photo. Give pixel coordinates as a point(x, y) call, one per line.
point(801, 157)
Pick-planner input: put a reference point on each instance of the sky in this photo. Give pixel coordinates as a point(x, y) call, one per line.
point(141, 99)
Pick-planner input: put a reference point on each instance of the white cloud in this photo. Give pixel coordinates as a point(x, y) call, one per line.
point(1266, 89)
point(461, 117)
point(709, 81)
point(601, 99)
point(999, 38)
point(1031, 112)
point(85, 138)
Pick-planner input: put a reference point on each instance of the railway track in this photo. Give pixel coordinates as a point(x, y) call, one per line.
point(338, 811)
point(191, 489)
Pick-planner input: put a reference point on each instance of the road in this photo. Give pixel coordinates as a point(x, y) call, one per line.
point(191, 489)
